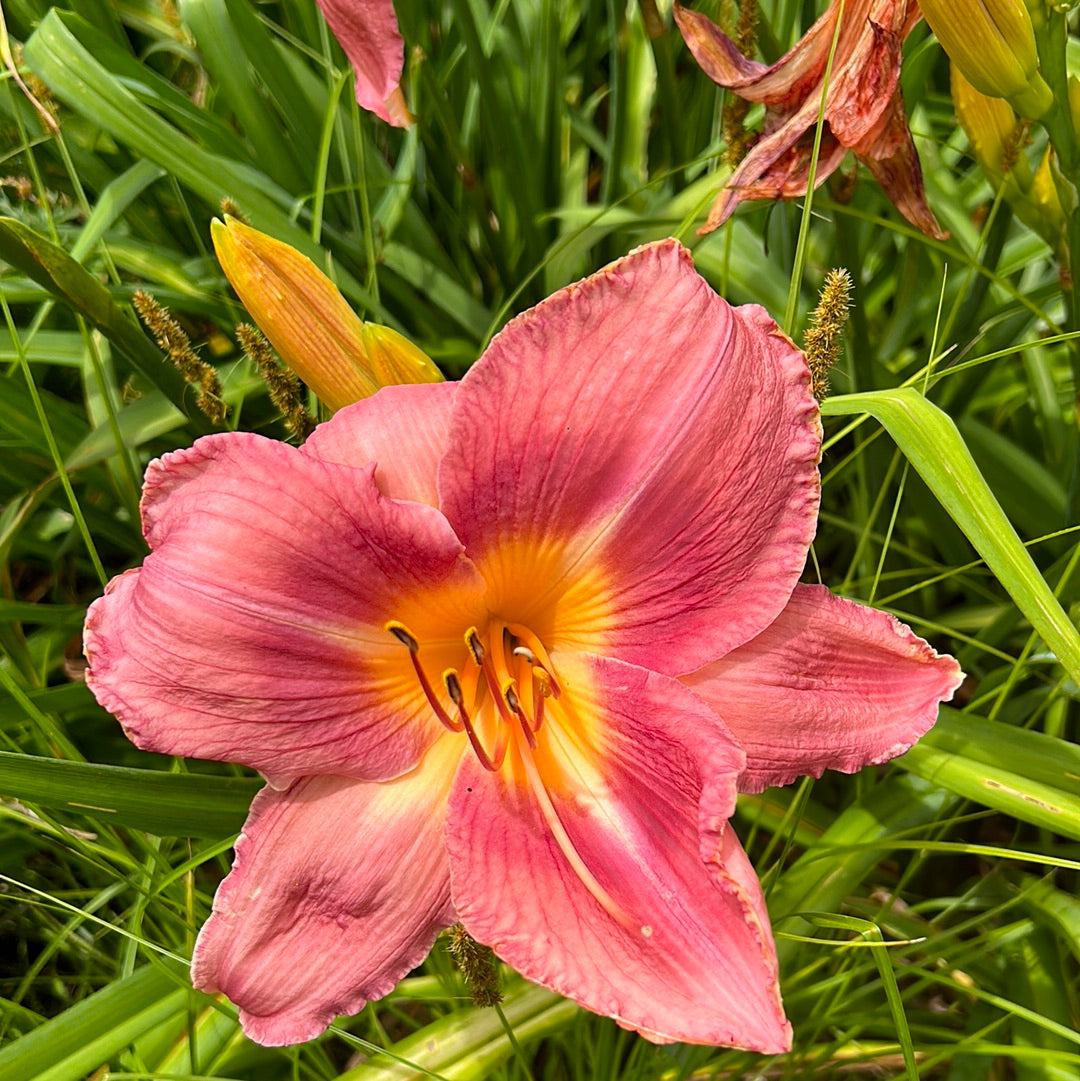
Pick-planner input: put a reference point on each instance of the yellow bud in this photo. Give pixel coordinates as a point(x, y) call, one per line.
point(310, 324)
point(996, 136)
point(992, 128)
point(993, 44)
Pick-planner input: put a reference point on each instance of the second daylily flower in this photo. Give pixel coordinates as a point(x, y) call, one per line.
point(864, 109)
point(506, 650)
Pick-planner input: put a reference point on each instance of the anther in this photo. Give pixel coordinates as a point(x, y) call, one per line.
point(543, 681)
point(511, 697)
point(492, 763)
point(514, 702)
point(411, 643)
point(527, 640)
point(453, 688)
point(403, 635)
point(476, 647)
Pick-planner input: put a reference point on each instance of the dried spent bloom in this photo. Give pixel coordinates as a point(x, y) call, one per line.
point(368, 32)
point(176, 345)
point(309, 322)
point(864, 109)
point(506, 650)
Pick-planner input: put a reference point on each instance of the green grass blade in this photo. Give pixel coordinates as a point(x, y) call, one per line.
point(166, 804)
point(932, 443)
point(468, 1044)
point(65, 278)
point(78, 1041)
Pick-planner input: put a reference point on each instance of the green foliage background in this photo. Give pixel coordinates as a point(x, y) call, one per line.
point(926, 912)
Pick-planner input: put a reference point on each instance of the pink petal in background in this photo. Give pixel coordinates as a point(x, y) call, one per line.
point(404, 429)
point(368, 32)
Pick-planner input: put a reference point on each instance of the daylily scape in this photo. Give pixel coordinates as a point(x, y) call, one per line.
point(506, 650)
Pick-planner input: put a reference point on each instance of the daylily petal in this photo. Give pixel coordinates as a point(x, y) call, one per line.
point(792, 76)
point(625, 915)
point(778, 167)
point(650, 490)
point(368, 32)
point(831, 684)
point(403, 429)
point(255, 631)
point(338, 889)
point(892, 158)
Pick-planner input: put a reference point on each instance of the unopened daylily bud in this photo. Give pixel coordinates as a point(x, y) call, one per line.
point(993, 44)
point(996, 136)
point(310, 324)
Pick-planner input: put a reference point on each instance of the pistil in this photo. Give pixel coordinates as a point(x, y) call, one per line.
point(566, 847)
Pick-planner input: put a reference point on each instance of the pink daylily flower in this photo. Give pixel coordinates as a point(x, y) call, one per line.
point(368, 32)
point(506, 651)
point(864, 108)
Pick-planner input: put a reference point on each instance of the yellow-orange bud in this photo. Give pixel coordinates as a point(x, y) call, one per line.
point(310, 324)
point(992, 42)
point(996, 137)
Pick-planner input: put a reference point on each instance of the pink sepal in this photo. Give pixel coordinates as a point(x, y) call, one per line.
point(255, 631)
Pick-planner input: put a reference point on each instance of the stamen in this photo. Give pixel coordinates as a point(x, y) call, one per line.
point(566, 846)
point(491, 763)
point(541, 684)
point(410, 642)
point(491, 677)
point(514, 703)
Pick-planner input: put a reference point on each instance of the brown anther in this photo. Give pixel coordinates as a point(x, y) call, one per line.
point(511, 697)
point(403, 635)
point(453, 688)
point(476, 647)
